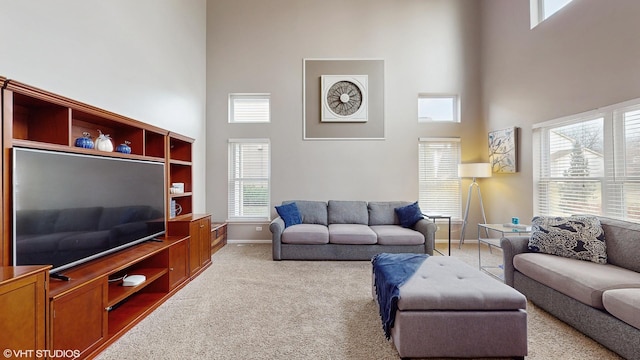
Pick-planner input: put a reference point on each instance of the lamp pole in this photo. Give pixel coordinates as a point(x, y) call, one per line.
point(473, 185)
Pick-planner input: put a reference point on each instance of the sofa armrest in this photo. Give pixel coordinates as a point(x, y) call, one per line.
point(428, 229)
point(276, 227)
point(512, 246)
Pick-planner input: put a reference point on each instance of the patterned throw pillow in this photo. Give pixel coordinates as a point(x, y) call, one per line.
point(577, 237)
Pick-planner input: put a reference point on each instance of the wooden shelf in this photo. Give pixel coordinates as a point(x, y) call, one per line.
point(87, 313)
point(39, 119)
point(180, 171)
point(131, 312)
point(118, 292)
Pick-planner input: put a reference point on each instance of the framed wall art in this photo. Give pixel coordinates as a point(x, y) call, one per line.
point(503, 150)
point(343, 99)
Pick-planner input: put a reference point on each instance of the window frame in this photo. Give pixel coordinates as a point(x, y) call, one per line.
point(234, 198)
point(455, 107)
point(537, 12)
point(247, 97)
point(618, 190)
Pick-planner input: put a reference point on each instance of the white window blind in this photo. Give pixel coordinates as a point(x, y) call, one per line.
point(625, 188)
point(439, 184)
point(572, 168)
point(590, 163)
point(249, 177)
point(438, 108)
point(249, 108)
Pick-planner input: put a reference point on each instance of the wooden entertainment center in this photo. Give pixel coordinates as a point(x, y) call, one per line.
point(82, 316)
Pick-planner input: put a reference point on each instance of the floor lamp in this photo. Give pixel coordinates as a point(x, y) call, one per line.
point(473, 170)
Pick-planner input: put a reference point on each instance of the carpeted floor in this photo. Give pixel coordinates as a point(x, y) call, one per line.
point(246, 306)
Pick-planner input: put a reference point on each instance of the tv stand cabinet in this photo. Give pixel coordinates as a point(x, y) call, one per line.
point(92, 309)
point(88, 312)
point(23, 289)
point(198, 228)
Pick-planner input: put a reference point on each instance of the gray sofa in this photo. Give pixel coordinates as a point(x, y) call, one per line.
point(348, 230)
point(600, 300)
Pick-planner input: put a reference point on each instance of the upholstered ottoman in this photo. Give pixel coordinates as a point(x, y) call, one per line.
point(449, 309)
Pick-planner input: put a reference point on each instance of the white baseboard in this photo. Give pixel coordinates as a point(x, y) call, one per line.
point(240, 241)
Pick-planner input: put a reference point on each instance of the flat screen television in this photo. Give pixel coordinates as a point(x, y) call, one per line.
point(71, 208)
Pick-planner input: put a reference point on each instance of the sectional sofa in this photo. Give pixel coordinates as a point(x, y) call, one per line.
point(349, 230)
point(602, 300)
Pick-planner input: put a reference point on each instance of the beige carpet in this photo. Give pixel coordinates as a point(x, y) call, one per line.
point(246, 306)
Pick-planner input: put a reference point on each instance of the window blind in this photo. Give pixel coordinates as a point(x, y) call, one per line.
point(249, 108)
point(249, 178)
point(589, 163)
point(439, 184)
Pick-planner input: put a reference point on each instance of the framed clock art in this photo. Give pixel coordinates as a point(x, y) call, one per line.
point(343, 99)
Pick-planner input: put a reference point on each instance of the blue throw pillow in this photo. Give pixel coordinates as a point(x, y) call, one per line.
point(409, 215)
point(290, 214)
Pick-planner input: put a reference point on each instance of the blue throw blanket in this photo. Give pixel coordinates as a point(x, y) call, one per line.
point(391, 271)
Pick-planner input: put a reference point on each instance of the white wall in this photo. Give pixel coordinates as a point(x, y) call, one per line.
point(583, 57)
point(144, 59)
point(259, 46)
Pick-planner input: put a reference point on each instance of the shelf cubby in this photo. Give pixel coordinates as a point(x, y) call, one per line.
point(39, 121)
point(118, 132)
point(180, 148)
point(118, 292)
point(154, 144)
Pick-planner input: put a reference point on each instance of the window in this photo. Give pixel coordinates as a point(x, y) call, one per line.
point(249, 108)
point(589, 164)
point(438, 108)
point(543, 9)
point(439, 184)
point(249, 175)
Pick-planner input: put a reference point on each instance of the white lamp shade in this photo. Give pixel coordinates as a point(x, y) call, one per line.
point(474, 170)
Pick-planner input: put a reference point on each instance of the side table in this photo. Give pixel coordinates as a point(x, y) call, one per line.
point(441, 217)
point(502, 230)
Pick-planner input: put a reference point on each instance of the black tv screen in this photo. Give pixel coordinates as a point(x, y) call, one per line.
point(72, 208)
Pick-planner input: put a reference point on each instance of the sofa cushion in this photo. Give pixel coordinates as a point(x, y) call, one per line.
point(90, 240)
point(397, 235)
point(36, 221)
point(78, 219)
point(623, 304)
point(114, 216)
point(41, 242)
point(623, 243)
point(577, 237)
point(383, 212)
point(351, 234)
point(409, 215)
point(290, 214)
point(312, 212)
point(306, 234)
point(348, 212)
point(584, 281)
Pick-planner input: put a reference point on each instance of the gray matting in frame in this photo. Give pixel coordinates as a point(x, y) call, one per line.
point(316, 129)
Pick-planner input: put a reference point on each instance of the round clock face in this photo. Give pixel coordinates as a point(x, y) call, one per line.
point(344, 98)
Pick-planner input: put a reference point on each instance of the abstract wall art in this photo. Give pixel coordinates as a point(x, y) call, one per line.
point(503, 150)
